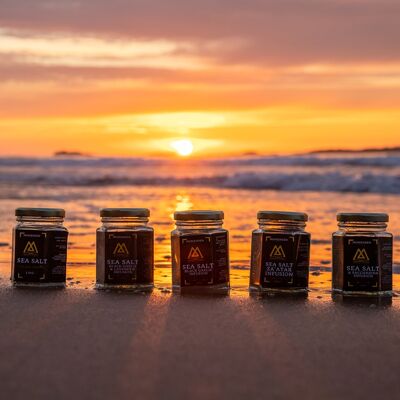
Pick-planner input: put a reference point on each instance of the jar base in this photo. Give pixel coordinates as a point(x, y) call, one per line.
point(223, 289)
point(56, 285)
point(131, 288)
point(385, 293)
point(260, 289)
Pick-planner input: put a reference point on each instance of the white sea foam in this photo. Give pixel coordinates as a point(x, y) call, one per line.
point(355, 160)
point(378, 173)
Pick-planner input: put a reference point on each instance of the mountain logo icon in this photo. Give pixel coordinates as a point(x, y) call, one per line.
point(361, 256)
point(195, 254)
point(31, 249)
point(278, 252)
point(121, 249)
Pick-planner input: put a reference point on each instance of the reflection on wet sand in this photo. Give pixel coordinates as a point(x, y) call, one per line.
point(279, 296)
point(81, 276)
point(240, 206)
point(362, 301)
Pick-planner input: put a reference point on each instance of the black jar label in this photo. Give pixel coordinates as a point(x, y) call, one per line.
point(367, 264)
point(285, 261)
point(40, 256)
point(204, 259)
point(128, 258)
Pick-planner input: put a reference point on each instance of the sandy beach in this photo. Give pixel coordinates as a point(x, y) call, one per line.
point(90, 345)
point(84, 344)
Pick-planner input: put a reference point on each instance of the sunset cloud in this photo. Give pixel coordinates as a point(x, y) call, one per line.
point(284, 31)
point(58, 50)
point(207, 69)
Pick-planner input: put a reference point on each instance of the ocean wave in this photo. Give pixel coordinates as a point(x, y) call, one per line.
point(292, 181)
point(73, 162)
point(316, 161)
point(355, 173)
point(313, 160)
point(321, 182)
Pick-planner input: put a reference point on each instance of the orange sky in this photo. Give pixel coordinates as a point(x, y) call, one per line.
point(233, 77)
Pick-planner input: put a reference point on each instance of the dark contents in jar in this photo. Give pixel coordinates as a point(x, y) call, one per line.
point(200, 259)
point(40, 256)
point(125, 257)
point(280, 260)
point(362, 263)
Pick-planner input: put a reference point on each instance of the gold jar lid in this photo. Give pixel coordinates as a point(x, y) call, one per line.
point(40, 212)
point(283, 216)
point(198, 215)
point(124, 212)
point(363, 217)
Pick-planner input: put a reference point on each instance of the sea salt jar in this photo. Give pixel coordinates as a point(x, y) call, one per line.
point(125, 250)
point(200, 252)
point(362, 255)
point(280, 252)
point(39, 255)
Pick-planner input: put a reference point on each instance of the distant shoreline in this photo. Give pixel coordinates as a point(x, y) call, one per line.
point(348, 151)
point(70, 154)
point(78, 154)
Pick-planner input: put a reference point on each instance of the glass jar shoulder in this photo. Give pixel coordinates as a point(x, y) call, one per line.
point(116, 228)
point(40, 227)
point(290, 232)
point(343, 233)
point(191, 232)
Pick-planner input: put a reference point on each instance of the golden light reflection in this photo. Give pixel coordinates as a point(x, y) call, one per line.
point(183, 202)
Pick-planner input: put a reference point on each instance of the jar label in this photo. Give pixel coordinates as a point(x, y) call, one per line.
point(285, 260)
point(367, 264)
point(204, 259)
point(40, 256)
point(128, 257)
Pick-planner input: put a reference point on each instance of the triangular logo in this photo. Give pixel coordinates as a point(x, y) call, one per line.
point(361, 255)
point(277, 252)
point(121, 249)
point(195, 254)
point(31, 248)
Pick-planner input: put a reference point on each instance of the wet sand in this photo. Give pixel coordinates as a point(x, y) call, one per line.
point(85, 344)
point(240, 206)
point(78, 343)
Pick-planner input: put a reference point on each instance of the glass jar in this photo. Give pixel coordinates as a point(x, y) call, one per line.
point(125, 250)
point(362, 255)
point(280, 252)
point(200, 252)
point(40, 241)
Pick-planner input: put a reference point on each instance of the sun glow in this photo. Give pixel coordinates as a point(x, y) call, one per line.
point(183, 147)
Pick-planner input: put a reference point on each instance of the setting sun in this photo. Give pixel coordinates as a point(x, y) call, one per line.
point(183, 147)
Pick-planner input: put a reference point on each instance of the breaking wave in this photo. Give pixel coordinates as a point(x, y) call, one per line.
point(330, 182)
point(313, 160)
point(378, 174)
